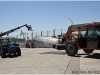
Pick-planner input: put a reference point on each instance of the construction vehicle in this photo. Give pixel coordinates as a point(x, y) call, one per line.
point(61, 44)
point(62, 39)
point(27, 44)
point(88, 38)
point(7, 47)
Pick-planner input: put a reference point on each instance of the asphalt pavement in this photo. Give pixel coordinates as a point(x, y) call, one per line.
point(50, 61)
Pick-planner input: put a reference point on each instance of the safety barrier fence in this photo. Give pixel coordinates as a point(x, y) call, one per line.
point(37, 44)
point(30, 35)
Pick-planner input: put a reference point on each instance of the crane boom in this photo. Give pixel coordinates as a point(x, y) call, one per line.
point(12, 30)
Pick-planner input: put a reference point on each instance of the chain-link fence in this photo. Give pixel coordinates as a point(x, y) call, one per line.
point(31, 35)
point(21, 38)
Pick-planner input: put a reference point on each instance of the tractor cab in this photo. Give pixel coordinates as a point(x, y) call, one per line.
point(7, 42)
point(89, 36)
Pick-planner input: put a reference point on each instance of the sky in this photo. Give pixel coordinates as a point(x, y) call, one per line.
point(46, 15)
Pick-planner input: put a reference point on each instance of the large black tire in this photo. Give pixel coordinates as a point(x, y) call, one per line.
point(88, 50)
point(14, 53)
point(18, 51)
point(58, 48)
point(3, 53)
point(63, 48)
point(53, 46)
point(71, 48)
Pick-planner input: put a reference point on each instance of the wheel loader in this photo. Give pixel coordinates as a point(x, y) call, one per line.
point(88, 38)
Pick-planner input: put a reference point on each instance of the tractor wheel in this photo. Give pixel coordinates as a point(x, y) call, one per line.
point(53, 46)
point(64, 47)
point(14, 53)
point(3, 53)
point(88, 50)
point(58, 48)
point(71, 48)
point(18, 51)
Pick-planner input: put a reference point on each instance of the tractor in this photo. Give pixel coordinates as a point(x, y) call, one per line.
point(88, 38)
point(8, 47)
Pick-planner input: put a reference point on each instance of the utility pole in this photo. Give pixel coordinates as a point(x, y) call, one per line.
point(20, 35)
point(32, 35)
point(48, 33)
point(23, 35)
point(61, 32)
point(27, 37)
point(16, 37)
point(54, 32)
point(36, 33)
point(41, 33)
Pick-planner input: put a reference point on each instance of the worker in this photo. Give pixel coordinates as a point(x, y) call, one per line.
point(27, 44)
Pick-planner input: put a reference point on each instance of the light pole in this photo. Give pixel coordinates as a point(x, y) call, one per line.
point(41, 32)
point(32, 35)
point(54, 31)
point(36, 33)
point(71, 21)
point(48, 33)
point(16, 38)
point(27, 37)
point(20, 35)
point(61, 32)
point(23, 35)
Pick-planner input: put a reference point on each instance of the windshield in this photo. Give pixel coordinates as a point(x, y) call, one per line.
point(98, 31)
point(82, 33)
point(5, 41)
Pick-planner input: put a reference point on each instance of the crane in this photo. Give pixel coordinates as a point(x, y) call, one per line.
point(12, 30)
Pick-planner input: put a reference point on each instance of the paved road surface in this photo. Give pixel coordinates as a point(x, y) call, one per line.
point(49, 61)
